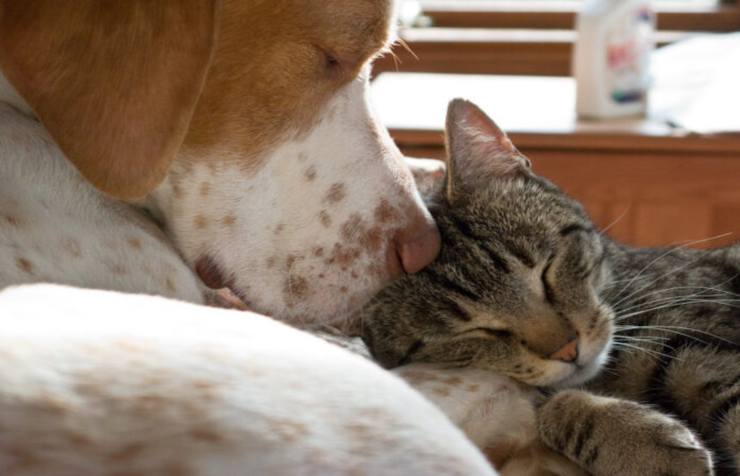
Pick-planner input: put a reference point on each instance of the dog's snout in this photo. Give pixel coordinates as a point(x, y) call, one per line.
point(418, 244)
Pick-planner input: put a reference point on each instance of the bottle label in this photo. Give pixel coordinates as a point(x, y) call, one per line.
point(629, 44)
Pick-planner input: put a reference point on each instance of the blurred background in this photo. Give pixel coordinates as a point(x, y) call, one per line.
point(668, 176)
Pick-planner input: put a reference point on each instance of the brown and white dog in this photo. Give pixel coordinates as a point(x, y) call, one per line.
point(243, 126)
point(150, 147)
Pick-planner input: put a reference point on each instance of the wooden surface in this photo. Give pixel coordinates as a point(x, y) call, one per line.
point(560, 14)
point(490, 51)
point(654, 184)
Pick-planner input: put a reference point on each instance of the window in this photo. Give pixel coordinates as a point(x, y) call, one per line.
point(651, 182)
point(525, 36)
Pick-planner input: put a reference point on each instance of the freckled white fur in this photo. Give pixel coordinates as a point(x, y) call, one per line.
point(492, 409)
point(278, 211)
point(62, 230)
point(243, 394)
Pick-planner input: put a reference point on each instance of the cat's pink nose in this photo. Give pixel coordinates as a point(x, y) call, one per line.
point(567, 353)
point(418, 245)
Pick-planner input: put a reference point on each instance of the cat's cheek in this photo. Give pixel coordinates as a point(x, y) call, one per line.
point(599, 362)
point(597, 341)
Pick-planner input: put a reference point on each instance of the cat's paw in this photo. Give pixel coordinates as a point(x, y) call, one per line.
point(613, 437)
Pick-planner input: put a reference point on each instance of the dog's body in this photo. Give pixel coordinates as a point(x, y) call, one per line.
point(243, 156)
point(242, 126)
point(57, 228)
point(192, 393)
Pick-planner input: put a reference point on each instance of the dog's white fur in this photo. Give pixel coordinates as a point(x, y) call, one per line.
point(56, 227)
point(197, 391)
point(58, 341)
point(296, 235)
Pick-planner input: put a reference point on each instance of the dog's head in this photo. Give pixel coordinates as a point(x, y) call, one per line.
point(244, 126)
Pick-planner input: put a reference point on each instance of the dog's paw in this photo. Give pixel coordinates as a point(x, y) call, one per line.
point(224, 298)
point(613, 437)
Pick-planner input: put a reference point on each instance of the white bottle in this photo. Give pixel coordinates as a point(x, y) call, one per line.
point(612, 56)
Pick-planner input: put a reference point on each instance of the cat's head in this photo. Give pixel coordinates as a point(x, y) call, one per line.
point(516, 286)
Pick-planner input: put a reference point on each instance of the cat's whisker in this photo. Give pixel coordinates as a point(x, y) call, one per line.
point(684, 334)
point(696, 296)
point(691, 298)
point(621, 280)
point(628, 338)
point(673, 303)
point(703, 288)
point(651, 283)
point(650, 304)
point(644, 342)
point(668, 252)
point(655, 340)
point(721, 302)
point(608, 369)
point(668, 306)
point(616, 220)
point(730, 279)
point(639, 273)
point(614, 283)
point(680, 288)
point(674, 330)
point(652, 353)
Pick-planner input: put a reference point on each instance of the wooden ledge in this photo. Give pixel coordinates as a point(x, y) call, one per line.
point(490, 51)
point(702, 16)
point(652, 184)
point(538, 112)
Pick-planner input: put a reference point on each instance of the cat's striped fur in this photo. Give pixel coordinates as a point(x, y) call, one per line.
point(523, 274)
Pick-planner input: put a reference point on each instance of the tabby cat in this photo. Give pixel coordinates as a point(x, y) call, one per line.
point(527, 287)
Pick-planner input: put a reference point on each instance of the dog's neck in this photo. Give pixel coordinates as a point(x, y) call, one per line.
point(9, 95)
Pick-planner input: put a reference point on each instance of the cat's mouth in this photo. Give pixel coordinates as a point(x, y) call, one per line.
point(585, 371)
point(594, 350)
point(591, 360)
point(593, 353)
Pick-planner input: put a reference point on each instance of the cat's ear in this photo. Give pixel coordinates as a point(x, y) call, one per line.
point(477, 150)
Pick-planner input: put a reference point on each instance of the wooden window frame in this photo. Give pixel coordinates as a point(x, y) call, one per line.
point(540, 14)
point(530, 37)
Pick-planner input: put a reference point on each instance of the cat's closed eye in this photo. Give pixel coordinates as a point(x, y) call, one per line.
point(489, 331)
point(547, 288)
point(499, 333)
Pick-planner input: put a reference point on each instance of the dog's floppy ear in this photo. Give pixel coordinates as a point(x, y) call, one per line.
point(115, 82)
